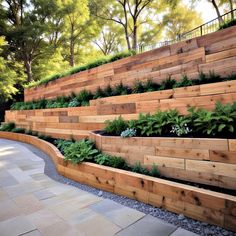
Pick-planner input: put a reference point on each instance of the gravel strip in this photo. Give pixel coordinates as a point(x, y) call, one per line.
point(172, 218)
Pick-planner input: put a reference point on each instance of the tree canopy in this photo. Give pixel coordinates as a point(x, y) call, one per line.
point(39, 38)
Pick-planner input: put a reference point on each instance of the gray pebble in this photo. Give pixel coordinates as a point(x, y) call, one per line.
point(100, 193)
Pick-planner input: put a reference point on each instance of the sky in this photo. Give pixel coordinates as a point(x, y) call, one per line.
point(206, 9)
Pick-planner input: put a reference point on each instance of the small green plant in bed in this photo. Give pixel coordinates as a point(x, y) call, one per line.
point(116, 126)
point(18, 130)
point(220, 122)
point(62, 144)
point(7, 127)
point(112, 161)
point(80, 151)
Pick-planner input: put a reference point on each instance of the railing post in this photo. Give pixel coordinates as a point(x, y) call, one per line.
point(201, 30)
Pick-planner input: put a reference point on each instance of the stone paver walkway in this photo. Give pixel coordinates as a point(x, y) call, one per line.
point(33, 204)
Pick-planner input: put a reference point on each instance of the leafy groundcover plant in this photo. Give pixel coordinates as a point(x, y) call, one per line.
point(83, 98)
point(221, 122)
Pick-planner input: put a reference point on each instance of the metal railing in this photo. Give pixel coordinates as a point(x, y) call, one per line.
point(206, 28)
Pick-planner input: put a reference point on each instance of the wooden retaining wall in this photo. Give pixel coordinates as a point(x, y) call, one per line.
point(204, 205)
point(76, 122)
point(199, 160)
point(215, 51)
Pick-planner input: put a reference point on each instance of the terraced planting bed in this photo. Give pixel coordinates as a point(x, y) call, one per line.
point(205, 205)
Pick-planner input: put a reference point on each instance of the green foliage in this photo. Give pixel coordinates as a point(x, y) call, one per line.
point(138, 168)
point(138, 87)
point(18, 130)
point(116, 126)
point(150, 86)
point(184, 82)
point(157, 124)
point(154, 171)
point(7, 127)
point(121, 89)
point(80, 151)
point(112, 161)
point(62, 144)
point(168, 83)
point(228, 24)
point(221, 120)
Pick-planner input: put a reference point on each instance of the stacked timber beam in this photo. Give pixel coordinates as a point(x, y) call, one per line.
point(199, 160)
point(76, 122)
point(215, 51)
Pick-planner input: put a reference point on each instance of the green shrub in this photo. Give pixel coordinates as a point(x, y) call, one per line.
point(117, 162)
point(18, 130)
point(121, 89)
point(228, 24)
point(138, 168)
point(184, 82)
point(154, 171)
point(62, 144)
point(221, 120)
point(99, 93)
point(157, 124)
point(167, 84)
point(7, 127)
point(108, 91)
point(116, 126)
point(29, 132)
point(46, 138)
point(112, 161)
point(80, 151)
point(138, 87)
point(150, 86)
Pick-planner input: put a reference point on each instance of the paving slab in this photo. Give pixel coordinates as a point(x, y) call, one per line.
point(148, 225)
point(33, 204)
point(16, 226)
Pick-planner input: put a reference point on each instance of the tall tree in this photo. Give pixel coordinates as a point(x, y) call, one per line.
point(180, 20)
point(8, 77)
point(76, 17)
point(25, 26)
point(126, 13)
point(110, 39)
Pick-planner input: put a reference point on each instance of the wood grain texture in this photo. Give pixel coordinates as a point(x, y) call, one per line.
point(215, 51)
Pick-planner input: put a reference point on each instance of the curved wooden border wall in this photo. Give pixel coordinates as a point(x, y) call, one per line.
point(215, 51)
point(199, 160)
point(204, 205)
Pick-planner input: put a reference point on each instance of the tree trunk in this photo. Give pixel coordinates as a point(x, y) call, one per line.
point(28, 70)
point(231, 9)
point(72, 46)
point(134, 47)
point(72, 52)
point(127, 38)
point(221, 21)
